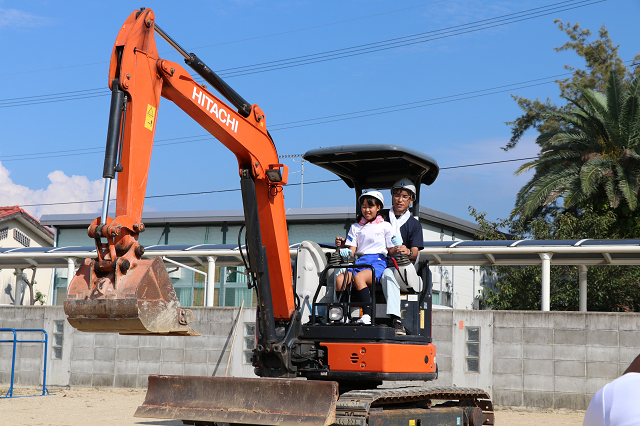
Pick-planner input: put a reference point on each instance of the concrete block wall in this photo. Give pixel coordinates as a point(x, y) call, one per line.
point(29, 356)
point(527, 359)
point(102, 359)
point(449, 332)
point(538, 359)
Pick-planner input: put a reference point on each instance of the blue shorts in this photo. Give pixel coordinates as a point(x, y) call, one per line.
point(378, 261)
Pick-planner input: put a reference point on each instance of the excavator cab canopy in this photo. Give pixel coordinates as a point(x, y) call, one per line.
point(376, 166)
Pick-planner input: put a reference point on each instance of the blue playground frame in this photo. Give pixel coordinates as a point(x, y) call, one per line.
point(15, 340)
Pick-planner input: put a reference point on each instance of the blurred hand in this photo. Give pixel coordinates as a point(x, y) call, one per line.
point(397, 241)
point(345, 252)
point(402, 250)
point(340, 241)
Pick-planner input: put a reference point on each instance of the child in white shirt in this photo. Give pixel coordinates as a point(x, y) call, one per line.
point(373, 237)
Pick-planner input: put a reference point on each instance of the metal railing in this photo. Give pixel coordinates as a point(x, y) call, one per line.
point(15, 341)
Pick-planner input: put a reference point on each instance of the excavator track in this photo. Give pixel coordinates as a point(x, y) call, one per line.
point(463, 406)
point(226, 401)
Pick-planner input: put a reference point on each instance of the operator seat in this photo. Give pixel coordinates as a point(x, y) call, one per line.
point(309, 265)
point(411, 279)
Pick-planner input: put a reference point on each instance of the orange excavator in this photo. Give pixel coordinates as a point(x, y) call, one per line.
point(301, 331)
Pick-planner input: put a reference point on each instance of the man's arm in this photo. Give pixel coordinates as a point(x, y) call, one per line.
point(416, 239)
point(411, 252)
point(414, 253)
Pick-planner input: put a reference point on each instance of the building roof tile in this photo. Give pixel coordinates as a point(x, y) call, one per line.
point(15, 212)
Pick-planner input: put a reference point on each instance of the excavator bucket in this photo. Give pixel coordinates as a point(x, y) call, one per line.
point(240, 400)
point(140, 301)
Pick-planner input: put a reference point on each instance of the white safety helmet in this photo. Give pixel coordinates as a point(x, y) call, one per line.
point(372, 193)
point(405, 184)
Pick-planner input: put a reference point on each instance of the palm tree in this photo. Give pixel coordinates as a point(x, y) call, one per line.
point(597, 162)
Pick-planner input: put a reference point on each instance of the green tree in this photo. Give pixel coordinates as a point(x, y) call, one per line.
point(601, 59)
point(40, 297)
point(594, 159)
point(610, 288)
point(590, 159)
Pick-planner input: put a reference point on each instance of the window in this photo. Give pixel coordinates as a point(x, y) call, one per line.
point(21, 238)
point(249, 342)
point(199, 282)
point(198, 296)
point(445, 298)
point(4, 233)
point(58, 337)
point(472, 348)
point(233, 288)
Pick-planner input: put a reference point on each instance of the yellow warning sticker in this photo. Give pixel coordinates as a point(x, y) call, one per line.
point(151, 116)
point(421, 318)
point(412, 423)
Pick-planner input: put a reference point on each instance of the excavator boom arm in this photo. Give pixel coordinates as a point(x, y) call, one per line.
point(105, 292)
point(146, 78)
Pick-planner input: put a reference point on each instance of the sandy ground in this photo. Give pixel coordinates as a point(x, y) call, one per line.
point(115, 407)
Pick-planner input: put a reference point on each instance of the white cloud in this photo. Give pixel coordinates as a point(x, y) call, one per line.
point(14, 18)
point(62, 189)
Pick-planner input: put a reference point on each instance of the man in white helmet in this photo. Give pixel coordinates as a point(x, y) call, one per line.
point(409, 241)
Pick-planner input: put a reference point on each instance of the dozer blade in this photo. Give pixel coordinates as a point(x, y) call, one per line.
point(240, 400)
point(142, 301)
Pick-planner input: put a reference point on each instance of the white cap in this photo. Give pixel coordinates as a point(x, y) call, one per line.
point(372, 193)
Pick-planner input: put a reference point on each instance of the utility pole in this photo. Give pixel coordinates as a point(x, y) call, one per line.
point(301, 179)
point(301, 171)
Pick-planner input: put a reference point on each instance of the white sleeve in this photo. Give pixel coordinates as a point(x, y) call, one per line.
point(352, 236)
point(595, 411)
point(388, 234)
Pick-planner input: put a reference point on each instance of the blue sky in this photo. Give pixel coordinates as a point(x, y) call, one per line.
point(62, 47)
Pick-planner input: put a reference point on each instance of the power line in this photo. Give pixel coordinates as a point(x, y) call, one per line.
point(238, 189)
point(55, 68)
point(403, 41)
point(349, 51)
point(54, 99)
point(86, 151)
point(245, 39)
point(402, 107)
point(102, 148)
point(312, 121)
point(417, 104)
point(168, 195)
point(320, 26)
point(308, 122)
point(485, 164)
point(51, 94)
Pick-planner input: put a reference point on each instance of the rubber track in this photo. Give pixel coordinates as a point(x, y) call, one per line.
point(353, 407)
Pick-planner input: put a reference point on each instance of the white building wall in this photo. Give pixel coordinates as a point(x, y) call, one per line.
point(317, 232)
point(8, 287)
point(460, 281)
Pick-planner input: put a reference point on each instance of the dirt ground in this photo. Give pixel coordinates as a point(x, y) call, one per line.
point(115, 407)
